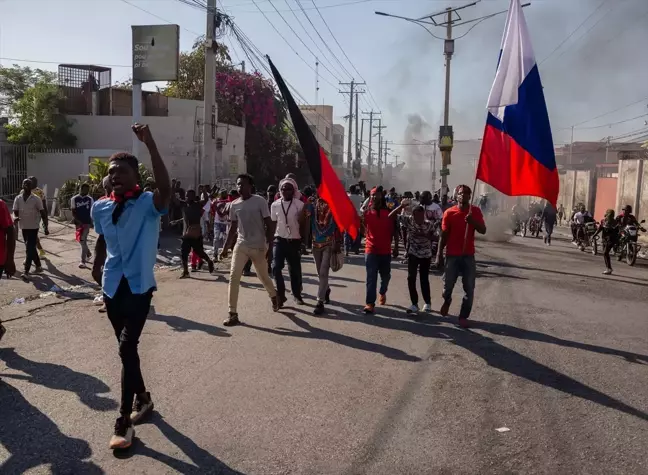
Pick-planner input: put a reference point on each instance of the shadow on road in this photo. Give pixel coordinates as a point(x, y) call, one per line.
point(180, 324)
point(344, 340)
point(32, 439)
point(55, 376)
point(613, 278)
point(204, 462)
point(501, 357)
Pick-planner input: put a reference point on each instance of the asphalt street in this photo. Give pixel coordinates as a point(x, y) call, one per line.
point(558, 354)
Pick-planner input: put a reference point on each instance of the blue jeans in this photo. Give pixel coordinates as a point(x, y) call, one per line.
point(350, 244)
point(377, 264)
point(466, 267)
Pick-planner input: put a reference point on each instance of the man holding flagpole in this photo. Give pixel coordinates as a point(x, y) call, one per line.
point(458, 238)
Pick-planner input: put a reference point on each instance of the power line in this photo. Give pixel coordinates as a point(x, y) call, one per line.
point(613, 123)
point(605, 113)
point(574, 31)
point(289, 45)
point(158, 17)
point(300, 39)
point(336, 5)
point(343, 52)
point(589, 29)
point(337, 71)
point(322, 39)
point(63, 62)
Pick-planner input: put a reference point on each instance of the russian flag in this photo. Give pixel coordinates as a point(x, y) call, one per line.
point(517, 154)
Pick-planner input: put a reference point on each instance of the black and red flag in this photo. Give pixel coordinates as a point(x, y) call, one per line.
point(329, 186)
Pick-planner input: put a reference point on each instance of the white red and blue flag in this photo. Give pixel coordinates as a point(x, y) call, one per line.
point(517, 154)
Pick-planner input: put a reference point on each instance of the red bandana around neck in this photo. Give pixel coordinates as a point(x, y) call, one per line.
point(130, 194)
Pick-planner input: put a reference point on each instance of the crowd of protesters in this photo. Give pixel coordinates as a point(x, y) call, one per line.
point(270, 230)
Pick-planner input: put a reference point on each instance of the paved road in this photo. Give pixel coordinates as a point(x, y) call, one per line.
point(558, 354)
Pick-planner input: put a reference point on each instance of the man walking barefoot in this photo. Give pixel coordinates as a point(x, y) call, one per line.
point(128, 225)
point(252, 230)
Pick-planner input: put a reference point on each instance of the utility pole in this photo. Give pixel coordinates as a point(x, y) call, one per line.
point(209, 94)
point(357, 153)
point(361, 137)
point(351, 91)
point(380, 144)
point(446, 18)
point(433, 174)
point(448, 49)
point(571, 145)
point(371, 119)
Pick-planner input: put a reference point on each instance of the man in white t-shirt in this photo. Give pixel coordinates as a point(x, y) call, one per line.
point(289, 216)
point(433, 211)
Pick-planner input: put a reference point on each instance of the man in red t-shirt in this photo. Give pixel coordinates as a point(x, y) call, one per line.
point(460, 251)
point(379, 229)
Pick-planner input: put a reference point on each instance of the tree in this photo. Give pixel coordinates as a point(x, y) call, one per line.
point(191, 82)
point(16, 80)
point(271, 148)
point(36, 119)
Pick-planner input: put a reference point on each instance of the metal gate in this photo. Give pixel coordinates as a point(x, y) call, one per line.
point(13, 170)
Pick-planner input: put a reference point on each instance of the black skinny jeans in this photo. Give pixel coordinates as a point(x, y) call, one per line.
point(287, 250)
point(608, 245)
point(30, 236)
point(422, 266)
point(188, 244)
point(127, 313)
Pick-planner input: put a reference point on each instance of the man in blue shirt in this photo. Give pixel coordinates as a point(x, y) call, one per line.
point(81, 205)
point(128, 224)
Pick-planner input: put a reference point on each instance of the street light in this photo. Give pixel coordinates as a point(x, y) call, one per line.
point(445, 19)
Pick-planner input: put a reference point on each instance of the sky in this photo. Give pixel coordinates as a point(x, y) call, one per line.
point(592, 55)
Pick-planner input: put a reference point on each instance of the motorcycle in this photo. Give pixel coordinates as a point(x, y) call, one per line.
point(518, 226)
point(627, 246)
point(585, 237)
point(535, 226)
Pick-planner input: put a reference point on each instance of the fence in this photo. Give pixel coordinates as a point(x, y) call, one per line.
point(13, 170)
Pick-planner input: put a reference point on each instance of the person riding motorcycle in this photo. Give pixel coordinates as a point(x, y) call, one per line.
point(580, 218)
point(626, 218)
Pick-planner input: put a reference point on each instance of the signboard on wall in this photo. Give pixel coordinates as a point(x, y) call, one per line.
point(156, 50)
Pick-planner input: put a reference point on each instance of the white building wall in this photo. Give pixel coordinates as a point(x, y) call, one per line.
point(176, 138)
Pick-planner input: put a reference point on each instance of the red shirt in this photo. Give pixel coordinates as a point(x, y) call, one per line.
point(5, 223)
point(379, 230)
point(454, 223)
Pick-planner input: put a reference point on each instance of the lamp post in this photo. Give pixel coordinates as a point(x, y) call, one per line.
point(448, 19)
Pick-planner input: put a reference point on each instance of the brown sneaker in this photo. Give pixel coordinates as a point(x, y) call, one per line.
point(369, 308)
point(276, 303)
point(232, 320)
point(123, 436)
point(382, 299)
point(445, 308)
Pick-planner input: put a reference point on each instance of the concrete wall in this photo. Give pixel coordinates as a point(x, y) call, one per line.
point(577, 186)
point(629, 184)
point(175, 140)
point(55, 167)
point(184, 107)
point(320, 117)
point(642, 208)
point(566, 193)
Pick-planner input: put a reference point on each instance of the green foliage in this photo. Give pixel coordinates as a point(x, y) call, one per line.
point(191, 77)
point(67, 191)
point(16, 80)
point(270, 144)
point(98, 170)
point(37, 121)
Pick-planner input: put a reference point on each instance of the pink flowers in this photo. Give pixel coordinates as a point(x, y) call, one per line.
point(251, 94)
